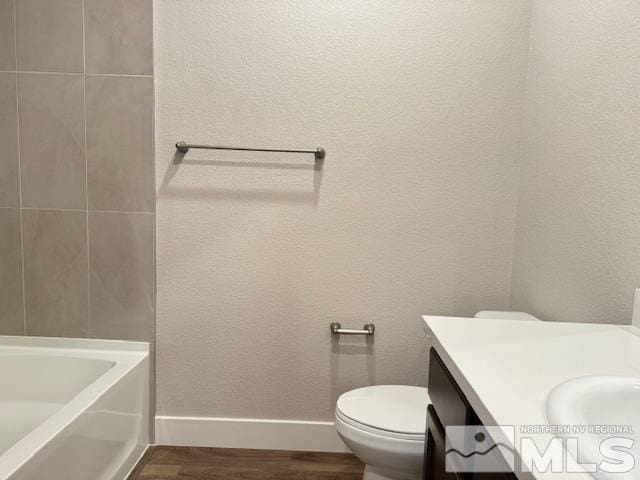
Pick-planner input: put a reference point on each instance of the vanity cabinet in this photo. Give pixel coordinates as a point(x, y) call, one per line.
point(435, 450)
point(449, 407)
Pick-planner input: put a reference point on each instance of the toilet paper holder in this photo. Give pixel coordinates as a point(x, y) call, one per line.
point(336, 329)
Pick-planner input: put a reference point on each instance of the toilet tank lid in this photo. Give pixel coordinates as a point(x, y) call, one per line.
point(503, 315)
point(393, 408)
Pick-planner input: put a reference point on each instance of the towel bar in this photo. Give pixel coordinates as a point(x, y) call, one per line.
point(319, 153)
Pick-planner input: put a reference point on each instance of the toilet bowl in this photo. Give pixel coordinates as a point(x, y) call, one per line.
point(384, 426)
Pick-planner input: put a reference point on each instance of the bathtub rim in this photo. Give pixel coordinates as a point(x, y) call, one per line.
point(74, 343)
point(125, 355)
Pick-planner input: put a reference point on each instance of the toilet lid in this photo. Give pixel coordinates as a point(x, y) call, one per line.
point(394, 408)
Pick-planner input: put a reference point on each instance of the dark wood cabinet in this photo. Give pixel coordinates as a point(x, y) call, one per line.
point(435, 450)
point(450, 404)
point(449, 407)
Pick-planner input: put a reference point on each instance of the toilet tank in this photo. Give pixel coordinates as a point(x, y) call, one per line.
point(502, 315)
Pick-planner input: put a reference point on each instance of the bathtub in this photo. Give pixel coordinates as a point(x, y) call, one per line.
point(72, 409)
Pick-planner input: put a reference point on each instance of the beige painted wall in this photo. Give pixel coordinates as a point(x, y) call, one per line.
point(419, 106)
point(577, 255)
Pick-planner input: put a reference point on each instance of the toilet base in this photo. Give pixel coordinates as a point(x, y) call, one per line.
point(374, 473)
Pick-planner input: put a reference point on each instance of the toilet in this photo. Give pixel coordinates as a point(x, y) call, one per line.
point(384, 425)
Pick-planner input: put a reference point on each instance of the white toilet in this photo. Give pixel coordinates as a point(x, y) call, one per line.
point(384, 425)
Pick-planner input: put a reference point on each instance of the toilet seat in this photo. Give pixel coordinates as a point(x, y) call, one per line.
point(394, 411)
point(365, 429)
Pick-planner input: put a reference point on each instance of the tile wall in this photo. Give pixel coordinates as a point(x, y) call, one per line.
point(76, 168)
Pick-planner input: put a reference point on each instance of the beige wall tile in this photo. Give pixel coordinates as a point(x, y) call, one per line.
point(121, 268)
point(119, 143)
point(49, 35)
point(9, 172)
point(119, 36)
point(56, 273)
point(7, 36)
point(43, 131)
point(52, 141)
point(11, 306)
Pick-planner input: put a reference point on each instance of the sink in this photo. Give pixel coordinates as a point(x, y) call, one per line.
point(585, 404)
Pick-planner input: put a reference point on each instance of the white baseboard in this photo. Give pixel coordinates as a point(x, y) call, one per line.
point(248, 433)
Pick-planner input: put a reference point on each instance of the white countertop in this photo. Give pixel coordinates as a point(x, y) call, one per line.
point(507, 368)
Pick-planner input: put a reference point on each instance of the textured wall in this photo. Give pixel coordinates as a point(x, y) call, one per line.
point(577, 255)
point(419, 106)
point(76, 168)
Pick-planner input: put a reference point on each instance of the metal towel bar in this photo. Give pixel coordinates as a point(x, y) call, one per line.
point(336, 329)
point(319, 153)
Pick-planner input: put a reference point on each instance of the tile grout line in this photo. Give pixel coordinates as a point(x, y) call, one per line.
point(86, 161)
point(118, 75)
point(19, 145)
point(53, 209)
point(33, 72)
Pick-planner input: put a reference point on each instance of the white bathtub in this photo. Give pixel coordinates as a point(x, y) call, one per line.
point(72, 409)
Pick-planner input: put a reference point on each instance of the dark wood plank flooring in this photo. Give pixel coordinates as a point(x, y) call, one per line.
point(191, 463)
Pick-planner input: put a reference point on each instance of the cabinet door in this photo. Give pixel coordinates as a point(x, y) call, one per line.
point(447, 398)
point(435, 449)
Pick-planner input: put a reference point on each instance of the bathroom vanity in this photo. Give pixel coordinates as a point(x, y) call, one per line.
point(449, 407)
point(513, 376)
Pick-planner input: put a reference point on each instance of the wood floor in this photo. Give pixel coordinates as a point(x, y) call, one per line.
point(191, 463)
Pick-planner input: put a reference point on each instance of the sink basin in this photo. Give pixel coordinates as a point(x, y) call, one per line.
point(585, 405)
